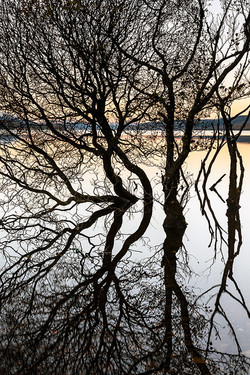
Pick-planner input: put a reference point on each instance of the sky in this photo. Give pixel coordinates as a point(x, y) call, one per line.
point(239, 105)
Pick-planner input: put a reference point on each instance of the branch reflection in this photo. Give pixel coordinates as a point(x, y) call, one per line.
point(75, 299)
point(229, 285)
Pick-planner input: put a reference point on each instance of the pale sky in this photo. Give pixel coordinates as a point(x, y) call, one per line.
point(239, 105)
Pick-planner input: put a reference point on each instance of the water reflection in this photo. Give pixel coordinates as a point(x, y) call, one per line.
point(232, 237)
point(74, 299)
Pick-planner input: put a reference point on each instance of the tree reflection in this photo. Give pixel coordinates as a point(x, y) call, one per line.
point(234, 234)
point(75, 300)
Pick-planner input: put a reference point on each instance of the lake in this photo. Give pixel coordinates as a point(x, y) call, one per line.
point(98, 286)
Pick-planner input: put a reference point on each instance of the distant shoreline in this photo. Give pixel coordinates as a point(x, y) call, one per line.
point(244, 138)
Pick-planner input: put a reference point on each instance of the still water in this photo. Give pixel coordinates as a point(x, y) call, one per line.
point(207, 270)
point(204, 256)
point(66, 311)
point(208, 261)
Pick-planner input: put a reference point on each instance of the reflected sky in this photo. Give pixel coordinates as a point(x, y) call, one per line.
point(125, 285)
point(207, 270)
point(207, 263)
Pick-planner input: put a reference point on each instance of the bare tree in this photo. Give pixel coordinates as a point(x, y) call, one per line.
point(81, 82)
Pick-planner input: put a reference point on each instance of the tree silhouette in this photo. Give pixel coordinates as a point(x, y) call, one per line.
point(92, 95)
